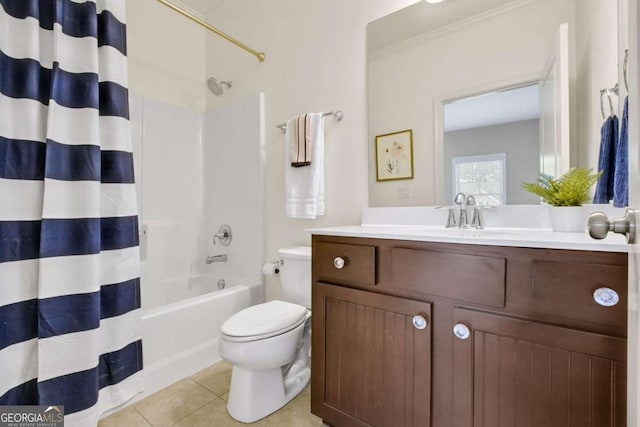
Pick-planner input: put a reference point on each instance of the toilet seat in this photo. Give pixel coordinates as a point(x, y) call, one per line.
point(263, 321)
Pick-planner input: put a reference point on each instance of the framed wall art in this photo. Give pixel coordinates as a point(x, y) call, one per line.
point(394, 156)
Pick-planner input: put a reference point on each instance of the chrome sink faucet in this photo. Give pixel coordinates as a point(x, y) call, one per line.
point(461, 200)
point(464, 202)
point(476, 217)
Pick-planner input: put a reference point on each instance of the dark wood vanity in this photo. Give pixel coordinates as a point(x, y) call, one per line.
point(531, 346)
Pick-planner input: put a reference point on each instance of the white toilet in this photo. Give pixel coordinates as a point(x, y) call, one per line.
point(268, 344)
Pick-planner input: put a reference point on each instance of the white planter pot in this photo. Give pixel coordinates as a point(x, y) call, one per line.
point(568, 218)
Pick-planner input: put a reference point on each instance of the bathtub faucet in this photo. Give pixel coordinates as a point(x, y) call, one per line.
point(216, 258)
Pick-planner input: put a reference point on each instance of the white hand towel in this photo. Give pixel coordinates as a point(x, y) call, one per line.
point(305, 185)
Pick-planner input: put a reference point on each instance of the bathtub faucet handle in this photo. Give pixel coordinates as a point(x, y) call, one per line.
point(224, 235)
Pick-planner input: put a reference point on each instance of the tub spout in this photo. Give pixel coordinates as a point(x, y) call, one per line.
point(216, 258)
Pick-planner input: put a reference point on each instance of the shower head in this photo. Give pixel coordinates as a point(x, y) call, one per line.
point(215, 86)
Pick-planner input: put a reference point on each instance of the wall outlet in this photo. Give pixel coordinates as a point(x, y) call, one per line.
point(404, 191)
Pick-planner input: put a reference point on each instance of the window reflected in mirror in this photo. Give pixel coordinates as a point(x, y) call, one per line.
point(482, 177)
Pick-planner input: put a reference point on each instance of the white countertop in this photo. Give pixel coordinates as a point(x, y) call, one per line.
point(525, 226)
point(518, 237)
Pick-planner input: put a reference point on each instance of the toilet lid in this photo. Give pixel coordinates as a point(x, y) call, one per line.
point(268, 318)
point(295, 252)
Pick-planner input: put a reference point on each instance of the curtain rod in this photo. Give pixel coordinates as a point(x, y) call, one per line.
point(259, 55)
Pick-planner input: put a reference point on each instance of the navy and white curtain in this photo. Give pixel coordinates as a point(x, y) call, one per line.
point(69, 257)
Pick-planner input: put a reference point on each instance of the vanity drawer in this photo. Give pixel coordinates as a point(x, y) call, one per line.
point(465, 277)
point(359, 263)
point(567, 290)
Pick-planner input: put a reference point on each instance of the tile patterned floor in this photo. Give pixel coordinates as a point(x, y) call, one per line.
point(200, 401)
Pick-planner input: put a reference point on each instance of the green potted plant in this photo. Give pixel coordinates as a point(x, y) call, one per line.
point(566, 196)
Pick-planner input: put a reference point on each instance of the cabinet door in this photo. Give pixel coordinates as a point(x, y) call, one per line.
point(371, 365)
point(517, 373)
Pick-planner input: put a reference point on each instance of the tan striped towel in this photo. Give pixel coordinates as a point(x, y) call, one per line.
point(301, 142)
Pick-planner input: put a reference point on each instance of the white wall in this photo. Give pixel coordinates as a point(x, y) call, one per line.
point(315, 61)
point(166, 55)
point(596, 62)
point(406, 81)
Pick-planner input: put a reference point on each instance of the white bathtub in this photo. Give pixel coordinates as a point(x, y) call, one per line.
point(181, 338)
point(160, 292)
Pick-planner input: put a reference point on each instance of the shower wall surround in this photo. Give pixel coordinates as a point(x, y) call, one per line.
point(167, 150)
point(195, 172)
point(233, 156)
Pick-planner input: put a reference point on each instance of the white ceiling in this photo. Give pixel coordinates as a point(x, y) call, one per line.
point(422, 17)
point(493, 108)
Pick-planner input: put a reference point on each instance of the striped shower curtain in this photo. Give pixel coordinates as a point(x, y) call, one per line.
point(69, 258)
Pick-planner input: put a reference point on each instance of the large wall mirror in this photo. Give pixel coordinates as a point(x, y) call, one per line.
point(479, 83)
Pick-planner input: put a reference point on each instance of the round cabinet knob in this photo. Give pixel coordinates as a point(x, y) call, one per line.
point(606, 297)
point(419, 322)
point(339, 262)
point(461, 331)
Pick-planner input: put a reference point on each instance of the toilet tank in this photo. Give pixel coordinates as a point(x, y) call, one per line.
point(295, 275)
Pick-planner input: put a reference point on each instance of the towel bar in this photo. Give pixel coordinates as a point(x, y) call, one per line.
point(624, 69)
point(614, 90)
point(338, 115)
